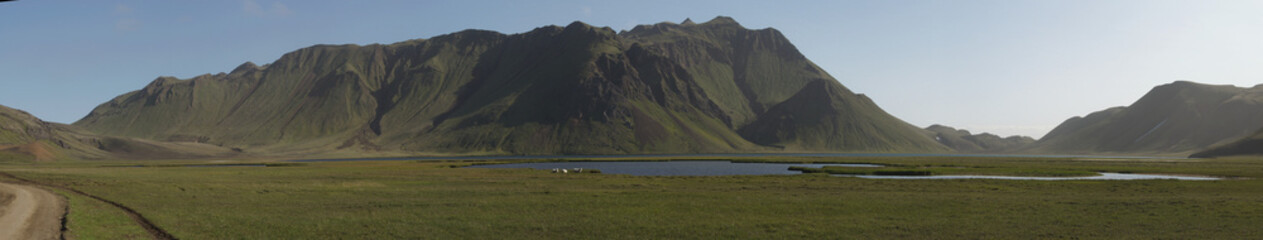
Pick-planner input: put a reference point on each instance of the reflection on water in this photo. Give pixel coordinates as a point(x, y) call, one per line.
point(677, 168)
point(226, 165)
point(722, 168)
point(1103, 176)
point(723, 155)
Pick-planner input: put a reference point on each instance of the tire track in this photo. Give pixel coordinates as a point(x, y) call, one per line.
point(153, 230)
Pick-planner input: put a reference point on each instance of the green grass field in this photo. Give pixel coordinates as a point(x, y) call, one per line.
point(410, 199)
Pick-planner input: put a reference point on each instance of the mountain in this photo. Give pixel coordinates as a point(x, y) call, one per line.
point(24, 137)
point(664, 88)
point(1250, 145)
point(1175, 118)
point(964, 141)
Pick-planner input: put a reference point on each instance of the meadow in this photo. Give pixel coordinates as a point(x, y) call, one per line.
point(437, 199)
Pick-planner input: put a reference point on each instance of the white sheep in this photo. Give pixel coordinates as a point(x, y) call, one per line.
point(563, 171)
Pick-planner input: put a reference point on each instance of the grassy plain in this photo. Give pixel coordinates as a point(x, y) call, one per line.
point(92, 219)
point(411, 199)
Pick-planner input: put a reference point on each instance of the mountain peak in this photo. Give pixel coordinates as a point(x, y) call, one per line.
point(722, 20)
point(581, 27)
point(940, 127)
point(1183, 84)
point(578, 24)
point(687, 21)
point(963, 141)
point(164, 80)
point(16, 114)
point(573, 88)
point(1184, 89)
point(470, 33)
point(1178, 117)
point(1186, 84)
point(245, 67)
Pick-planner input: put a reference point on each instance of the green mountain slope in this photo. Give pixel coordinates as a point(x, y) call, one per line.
point(825, 115)
point(24, 137)
point(1251, 145)
point(1175, 118)
point(663, 88)
point(964, 141)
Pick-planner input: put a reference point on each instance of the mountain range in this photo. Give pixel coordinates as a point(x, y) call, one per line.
point(24, 137)
point(712, 87)
point(963, 141)
point(1177, 118)
point(1251, 145)
point(664, 88)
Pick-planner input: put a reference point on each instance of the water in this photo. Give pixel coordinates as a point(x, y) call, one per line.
point(226, 165)
point(724, 168)
point(1103, 176)
point(723, 155)
point(194, 165)
point(676, 168)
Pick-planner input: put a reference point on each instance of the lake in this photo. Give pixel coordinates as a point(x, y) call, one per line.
point(1103, 176)
point(721, 155)
point(726, 168)
point(676, 168)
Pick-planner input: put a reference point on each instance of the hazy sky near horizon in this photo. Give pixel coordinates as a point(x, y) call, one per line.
point(1001, 66)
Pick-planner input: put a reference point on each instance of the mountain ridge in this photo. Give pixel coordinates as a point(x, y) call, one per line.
point(962, 140)
point(662, 88)
point(24, 137)
point(1176, 118)
point(1250, 145)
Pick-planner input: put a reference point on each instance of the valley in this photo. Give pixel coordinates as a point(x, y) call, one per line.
point(393, 199)
point(718, 131)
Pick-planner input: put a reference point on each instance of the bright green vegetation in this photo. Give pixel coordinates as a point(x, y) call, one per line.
point(92, 219)
point(15, 156)
point(9, 137)
point(408, 199)
point(1177, 118)
point(664, 88)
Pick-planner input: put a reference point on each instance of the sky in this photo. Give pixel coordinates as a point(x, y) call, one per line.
point(1008, 67)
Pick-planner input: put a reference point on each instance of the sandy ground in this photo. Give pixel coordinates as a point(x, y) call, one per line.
point(29, 213)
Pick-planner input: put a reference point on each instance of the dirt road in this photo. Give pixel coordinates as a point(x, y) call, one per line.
point(28, 212)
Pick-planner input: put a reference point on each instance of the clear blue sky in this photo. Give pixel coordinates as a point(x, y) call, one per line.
point(1002, 66)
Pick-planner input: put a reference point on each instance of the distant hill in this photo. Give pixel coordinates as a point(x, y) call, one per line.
point(24, 137)
point(964, 141)
point(662, 88)
point(1251, 145)
point(1176, 118)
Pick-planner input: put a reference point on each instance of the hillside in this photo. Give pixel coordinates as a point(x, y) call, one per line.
point(1176, 118)
point(1251, 145)
point(963, 141)
point(663, 88)
point(24, 137)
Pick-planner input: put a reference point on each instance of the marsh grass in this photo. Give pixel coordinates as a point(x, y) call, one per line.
point(92, 219)
point(409, 199)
